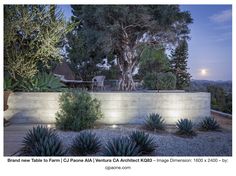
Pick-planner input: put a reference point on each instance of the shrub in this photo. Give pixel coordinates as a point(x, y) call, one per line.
point(185, 127)
point(150, 81)
point(41, 82)
point(41, 141)
point(153, 60)
point(144, 141)
point(9, 84)
point(166, 81)
point(154, 122)
point(122, 146)
point(209, 123)
point(77, 111)
point(86, 143)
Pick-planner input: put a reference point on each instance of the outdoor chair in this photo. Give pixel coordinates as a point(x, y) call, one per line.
point(98, 82)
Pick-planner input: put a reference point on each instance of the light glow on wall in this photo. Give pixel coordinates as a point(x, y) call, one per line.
point(176, 109)
point(114, 126)
point(117, 108)
point(174, 113)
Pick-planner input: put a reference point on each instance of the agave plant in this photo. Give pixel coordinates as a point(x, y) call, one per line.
point(41, 141)
point(209, 123)
point(42, 82)
point(154, 122)
point(86, 143)
point(122, 146)
point(144, 141)
point(185, 127)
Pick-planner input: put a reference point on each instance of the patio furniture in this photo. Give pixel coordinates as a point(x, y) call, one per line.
point(98, 81)
point(75, 83)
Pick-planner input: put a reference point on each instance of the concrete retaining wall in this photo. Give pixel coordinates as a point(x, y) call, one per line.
point(117, 107)
point(222, 114)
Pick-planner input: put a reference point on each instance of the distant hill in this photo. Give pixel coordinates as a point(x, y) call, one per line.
point(201, 85)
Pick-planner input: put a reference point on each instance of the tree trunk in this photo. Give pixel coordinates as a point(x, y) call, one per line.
point(126, 82)
point(127, 61)
point(127, 64)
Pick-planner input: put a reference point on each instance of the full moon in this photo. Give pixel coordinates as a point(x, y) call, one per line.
point(203, 72)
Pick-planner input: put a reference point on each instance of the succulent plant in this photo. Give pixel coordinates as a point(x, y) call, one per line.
point(209, 123)
point(41, 141)
point(121, 146)
point(86, 143)
point(42, 82)
point(185, 127)
point(9, 84)
point(154, 122)
point(144, 141)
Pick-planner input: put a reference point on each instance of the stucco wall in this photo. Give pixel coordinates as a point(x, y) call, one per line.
point(118, 108)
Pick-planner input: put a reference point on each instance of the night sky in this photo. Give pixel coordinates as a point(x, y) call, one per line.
point(210, 47)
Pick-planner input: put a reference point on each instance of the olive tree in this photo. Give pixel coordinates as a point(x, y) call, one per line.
point(124, 30)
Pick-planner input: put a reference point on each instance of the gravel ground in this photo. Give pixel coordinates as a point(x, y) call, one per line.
point(169, 144)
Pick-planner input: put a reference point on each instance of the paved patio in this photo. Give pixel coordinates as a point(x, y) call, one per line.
point(13, 136)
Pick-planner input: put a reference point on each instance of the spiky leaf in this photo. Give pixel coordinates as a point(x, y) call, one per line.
point(122, 146)
point(144, 141)
point(41, 141)
point(209, 123)
point(154, 122)
point(185, 127)
point(86, 143)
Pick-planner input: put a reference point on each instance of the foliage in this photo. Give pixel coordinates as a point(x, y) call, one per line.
point(153, 60)
point(185, 127)
point(86, 143)
point(228, 102)
point(160, 81)
point(201, 85)
point(122, 146)
point(77, 111)
point(220, 100)
point(166, 81)
point(33, 37)
point(144, 141)
point(154, 122)
point(112, 73)
point(9, 84)
point(41, 82)
point(221, 93)
point(41, 141)
point(179, 58)
point(82, 61)
point(209, 123)
point(150, 81)
point(119, 30)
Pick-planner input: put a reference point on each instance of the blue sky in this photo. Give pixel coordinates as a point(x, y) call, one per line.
point(210, 47)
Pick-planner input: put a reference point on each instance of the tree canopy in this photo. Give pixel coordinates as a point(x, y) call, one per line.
point(122, 30)
point(153, 61)
point(33, 35)
point(179, 58)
